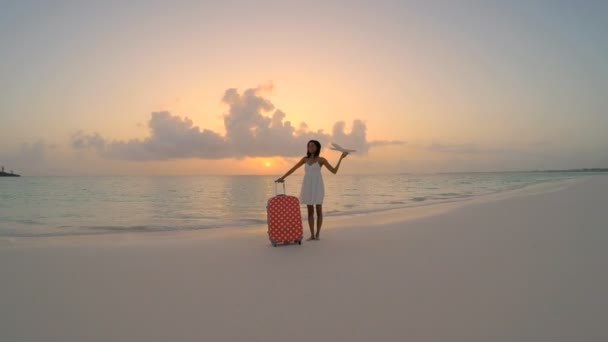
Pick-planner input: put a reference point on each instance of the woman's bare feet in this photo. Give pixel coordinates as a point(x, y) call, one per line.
point(310, 238)
point(317, 238)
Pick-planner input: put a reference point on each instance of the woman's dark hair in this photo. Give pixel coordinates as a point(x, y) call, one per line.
point(318, 144)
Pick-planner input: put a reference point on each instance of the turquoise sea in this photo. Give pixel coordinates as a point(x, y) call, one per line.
point(47, 206)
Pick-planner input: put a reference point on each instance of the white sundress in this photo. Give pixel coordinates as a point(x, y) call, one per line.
point(313, 189)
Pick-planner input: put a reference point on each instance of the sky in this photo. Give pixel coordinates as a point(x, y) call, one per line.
point(239, 87)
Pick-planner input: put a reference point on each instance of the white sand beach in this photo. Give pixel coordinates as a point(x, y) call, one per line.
point(527, 265)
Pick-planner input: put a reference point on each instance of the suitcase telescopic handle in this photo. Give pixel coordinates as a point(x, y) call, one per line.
point(275, 188)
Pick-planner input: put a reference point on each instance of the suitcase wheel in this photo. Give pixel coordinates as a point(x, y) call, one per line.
point(274, 243)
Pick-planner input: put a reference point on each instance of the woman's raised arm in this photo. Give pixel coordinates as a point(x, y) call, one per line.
point(332, 169)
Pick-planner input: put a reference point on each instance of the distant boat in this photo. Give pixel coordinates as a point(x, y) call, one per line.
point(7, 174)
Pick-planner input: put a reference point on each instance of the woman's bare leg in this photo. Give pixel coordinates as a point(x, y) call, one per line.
point(319, 220)
point(311, 222)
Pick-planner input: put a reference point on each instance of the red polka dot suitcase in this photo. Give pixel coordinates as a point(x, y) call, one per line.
point(284, 219)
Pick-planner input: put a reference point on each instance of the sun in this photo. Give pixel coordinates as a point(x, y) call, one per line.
point(267, 164)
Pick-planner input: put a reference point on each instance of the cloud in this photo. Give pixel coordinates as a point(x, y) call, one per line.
point(171, 137)
point(36, 150)
point(81, 140)
point(535, 149)
point(465, 149)
point(254, 128)
point(33, 156)
point(385, 143)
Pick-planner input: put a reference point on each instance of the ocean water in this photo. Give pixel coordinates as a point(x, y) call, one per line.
point(47, 206)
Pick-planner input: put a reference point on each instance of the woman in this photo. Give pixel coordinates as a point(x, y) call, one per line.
point(313, 190)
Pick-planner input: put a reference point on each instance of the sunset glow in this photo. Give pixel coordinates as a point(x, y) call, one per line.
point(435, 87)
